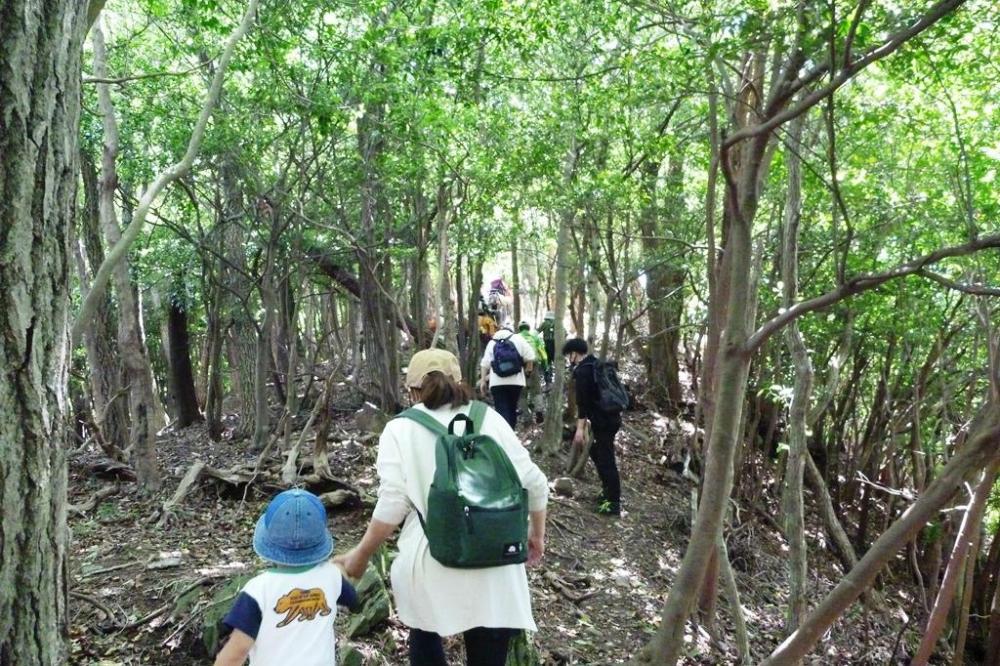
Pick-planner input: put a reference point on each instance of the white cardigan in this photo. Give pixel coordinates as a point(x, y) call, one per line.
point(430, 596)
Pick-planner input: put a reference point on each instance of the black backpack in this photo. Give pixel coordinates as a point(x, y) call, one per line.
point(611, 395)
point(507, 361)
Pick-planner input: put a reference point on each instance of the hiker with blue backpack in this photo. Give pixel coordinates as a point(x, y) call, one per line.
point(507, 360)
point(472, 506)
point(600, 400)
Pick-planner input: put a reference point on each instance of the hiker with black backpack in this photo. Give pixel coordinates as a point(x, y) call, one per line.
point(472, 506)
point(600, 399)
point(507, 360)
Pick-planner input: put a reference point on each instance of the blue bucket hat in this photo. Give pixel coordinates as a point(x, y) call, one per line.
point(293, 530)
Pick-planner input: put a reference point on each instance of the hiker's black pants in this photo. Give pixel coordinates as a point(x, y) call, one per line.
point(602, 452)
point(505, 400)
point(483, 647)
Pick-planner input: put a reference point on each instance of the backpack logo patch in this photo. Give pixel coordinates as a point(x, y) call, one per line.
point(513, 549)
point(302, 605)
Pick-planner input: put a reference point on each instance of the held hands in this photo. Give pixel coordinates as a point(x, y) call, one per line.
point(578, 438)
point(353, 563)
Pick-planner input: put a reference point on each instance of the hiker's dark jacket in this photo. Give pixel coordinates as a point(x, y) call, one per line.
point(587, 397)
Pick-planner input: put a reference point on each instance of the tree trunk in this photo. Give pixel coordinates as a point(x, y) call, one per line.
point(377, 311)
point(131, 345)
point(181, 372)
point(110, 413)
point(993, 643)
point(792, 501)
point(447, 325)
point(981, 450)
point(39, 119)
point(552, 436)
point(238, 297)
point(956, 566)
point(515, 272)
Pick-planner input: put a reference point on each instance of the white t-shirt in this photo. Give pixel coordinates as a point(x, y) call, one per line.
point(523, 347)
point(429, 595)
point(290, 613)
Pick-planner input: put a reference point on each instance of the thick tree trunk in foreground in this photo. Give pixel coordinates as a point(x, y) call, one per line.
point(181, 372)
point(39, 117)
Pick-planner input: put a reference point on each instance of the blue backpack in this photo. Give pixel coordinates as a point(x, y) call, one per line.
point(507, 361)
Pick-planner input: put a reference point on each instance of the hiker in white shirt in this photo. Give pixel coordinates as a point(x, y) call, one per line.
point(505, 377)
point(487, 605)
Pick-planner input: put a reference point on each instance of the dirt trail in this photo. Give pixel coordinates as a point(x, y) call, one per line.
point(596, 599)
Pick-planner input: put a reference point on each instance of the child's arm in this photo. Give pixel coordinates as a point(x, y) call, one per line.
point(236, 651)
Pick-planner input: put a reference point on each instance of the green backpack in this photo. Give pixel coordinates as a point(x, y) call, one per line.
point(477, 509)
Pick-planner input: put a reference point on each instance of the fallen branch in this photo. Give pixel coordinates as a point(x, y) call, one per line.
point(92, 502)
point(116, 567)
point(190, 478)
point(564, 589)
point(95, 602)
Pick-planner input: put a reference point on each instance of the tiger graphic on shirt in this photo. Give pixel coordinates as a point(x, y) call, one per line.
point(302, 605)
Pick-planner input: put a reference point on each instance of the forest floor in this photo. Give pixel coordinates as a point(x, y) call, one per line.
point(597, 597)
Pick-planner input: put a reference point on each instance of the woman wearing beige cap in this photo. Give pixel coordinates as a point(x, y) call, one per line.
point(486, 605)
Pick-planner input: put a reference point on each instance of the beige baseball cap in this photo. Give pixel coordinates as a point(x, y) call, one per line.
point(432, 360)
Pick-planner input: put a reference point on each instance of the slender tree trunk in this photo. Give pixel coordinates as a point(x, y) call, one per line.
point(181, 372)
point(213, 383)
point(515, 277)
point(110, 413)
point(39, 120)
point(131, 345)
point(794, 506)
point(981, 450)
point(956, 565)
point(446, 329)
point(993, 641)
point(552, 436)
point(958, 659)
point(377, 311)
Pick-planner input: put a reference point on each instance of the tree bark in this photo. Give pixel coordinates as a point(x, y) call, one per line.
point(956, 566)
point(181, 372)
point(663, 283)
point(378, 314)
point(119, 251)
point(792, 500)
point(446, 327)
point(552, 435)
point(131, 344)
point(981, 450)
point(39, 121)
point(107, 389)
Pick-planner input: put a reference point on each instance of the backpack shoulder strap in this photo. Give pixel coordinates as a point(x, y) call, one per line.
point(477, 412)
point(424, 419)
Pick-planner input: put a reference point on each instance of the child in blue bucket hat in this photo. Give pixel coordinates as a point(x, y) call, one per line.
point(285, 615)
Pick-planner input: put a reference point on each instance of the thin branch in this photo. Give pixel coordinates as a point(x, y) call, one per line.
point(140, 77)
point(974, 289)
point(864, 283)
point(846, 73)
